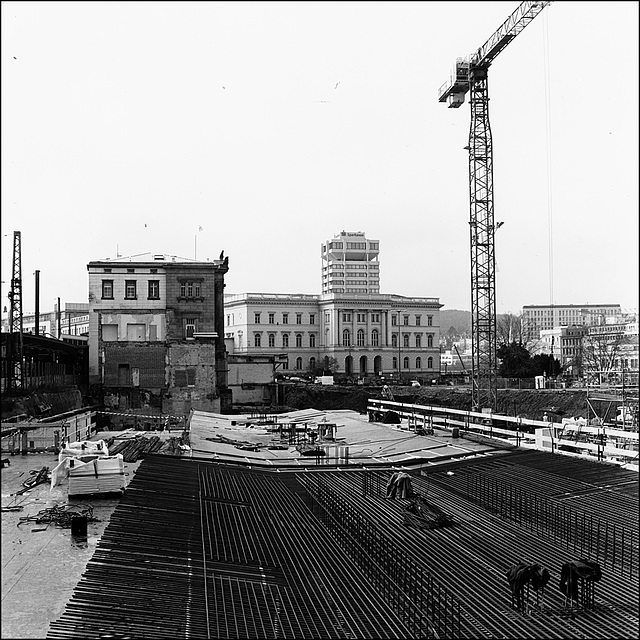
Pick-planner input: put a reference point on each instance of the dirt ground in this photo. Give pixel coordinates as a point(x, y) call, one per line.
point(529, 403)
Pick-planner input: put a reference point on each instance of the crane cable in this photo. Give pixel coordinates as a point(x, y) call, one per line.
point(547, 95)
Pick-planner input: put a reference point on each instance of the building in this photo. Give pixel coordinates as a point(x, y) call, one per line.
point(357, 335)
point(350, 264)
point(566, 345)
point(536, 318)
point(156, 333)
point(610, 353)
point(73, 321)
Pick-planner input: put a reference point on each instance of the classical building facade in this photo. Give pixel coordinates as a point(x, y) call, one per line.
point(359, 335)
point(350, 264)
point(156, 333)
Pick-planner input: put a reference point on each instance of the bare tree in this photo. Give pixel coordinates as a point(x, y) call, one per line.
point(510, 329)
point(599, 354)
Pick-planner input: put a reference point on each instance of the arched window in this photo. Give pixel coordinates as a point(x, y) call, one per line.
point(257, 340)
point(272, 340)
point(395, 363)
point(312, 364)
point(430, 340)
point(298, 364)
point(285, 339)
point(298, 339)
point(405, 363)
point(405, 339)
point(394, 340)
point(312, 340)
point(418, 341)
point(360, 338)
point(429, 363)
point(418, 363)
point(346, 338)
point(375, 338)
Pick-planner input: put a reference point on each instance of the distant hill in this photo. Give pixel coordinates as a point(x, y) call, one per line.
point(460, 320)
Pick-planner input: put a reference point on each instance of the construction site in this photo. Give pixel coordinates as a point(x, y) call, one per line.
point(345, 512)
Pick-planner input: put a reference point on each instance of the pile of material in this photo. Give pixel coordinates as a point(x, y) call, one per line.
point(138, 447)
point(101, 475)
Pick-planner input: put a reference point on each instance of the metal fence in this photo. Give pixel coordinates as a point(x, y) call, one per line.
point(427, 608)
point(608, 543)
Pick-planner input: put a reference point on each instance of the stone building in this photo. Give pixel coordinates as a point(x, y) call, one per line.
point(156, 333)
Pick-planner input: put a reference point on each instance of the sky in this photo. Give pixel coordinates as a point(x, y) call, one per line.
point(263, 129)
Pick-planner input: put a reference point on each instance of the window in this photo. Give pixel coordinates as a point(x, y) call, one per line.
point(298, 339)
point(298, 318)
point(312, 318)
point(154, 289)
point(272, 318)
point(429, 321)
point(406, 321)
point(375, 317)
point(312, 363)
point(256, 318)
point(375, 338)
point(394, 340)
point(418, 363)
point(418, 341)
point(109, 332)
point(362, 317)
point(285, 318)
point(430, 340)
point(190, 289)
point(107, 289)
point(190, 326)
point(130, 290)
point(257, 340)
point(327, 316)
point(312, 340)
point(405, 340)
point(405, 363)
point(272, 340)
point(418, 321)
point(395, 363)
point(298, 364)
point(285, 340)
point(360, 339)
point(429, 363)
point(394, 321)
point(346, 338)
point(136, 332)
point(346, 317)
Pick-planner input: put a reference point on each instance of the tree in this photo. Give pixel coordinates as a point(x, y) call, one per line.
point(599, 353)
point(325, 367)
point(515, 361)
point(544, 364)
point(510, 329)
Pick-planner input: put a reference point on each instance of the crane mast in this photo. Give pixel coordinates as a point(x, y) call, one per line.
point(16, 373)
point(471, 76)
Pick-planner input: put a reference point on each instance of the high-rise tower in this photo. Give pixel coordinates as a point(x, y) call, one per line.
point(350, 264)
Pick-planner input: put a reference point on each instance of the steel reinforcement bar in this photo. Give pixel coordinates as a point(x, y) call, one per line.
point(611, 544)
point(424, 605)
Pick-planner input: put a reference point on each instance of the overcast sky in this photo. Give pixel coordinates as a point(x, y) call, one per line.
point(274, 126)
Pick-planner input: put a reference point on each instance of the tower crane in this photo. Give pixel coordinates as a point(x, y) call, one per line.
point(470, 76)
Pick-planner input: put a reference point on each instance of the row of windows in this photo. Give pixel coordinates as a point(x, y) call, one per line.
point(187, 290)
point(271, 340)
point(271, 317)
point(406, 362)
point(346, 339)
